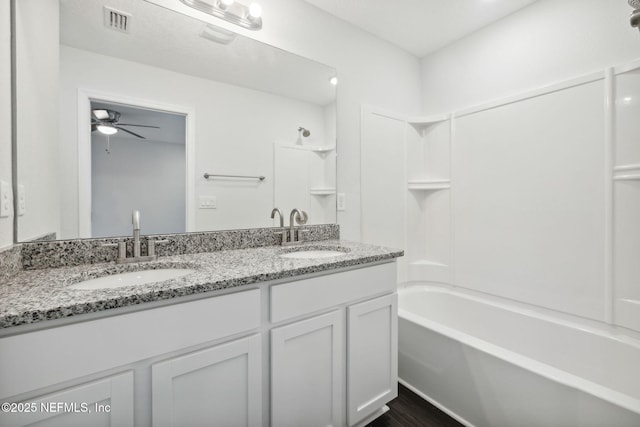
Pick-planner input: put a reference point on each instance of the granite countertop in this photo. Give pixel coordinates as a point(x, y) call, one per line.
point(40, 295)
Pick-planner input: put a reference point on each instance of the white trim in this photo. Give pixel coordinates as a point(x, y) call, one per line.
point(84, 151)
point(625, 68)
point(632, 167)
point(372, 109)
point(628, 177)
point(609, 141)
point(452, 134)
point(566, 84)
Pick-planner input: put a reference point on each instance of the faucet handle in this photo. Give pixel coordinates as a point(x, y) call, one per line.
point(302, 220)
point(151, 245)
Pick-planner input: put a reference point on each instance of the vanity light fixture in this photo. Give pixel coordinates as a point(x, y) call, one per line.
point(231, 11)
point(106, 129)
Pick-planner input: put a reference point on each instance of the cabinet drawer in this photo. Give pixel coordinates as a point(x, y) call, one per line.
point(85, 348)
point(294, 299)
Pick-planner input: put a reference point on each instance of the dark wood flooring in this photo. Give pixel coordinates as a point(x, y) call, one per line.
point(410, 410)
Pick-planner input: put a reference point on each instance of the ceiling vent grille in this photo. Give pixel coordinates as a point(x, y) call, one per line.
point(116, 20)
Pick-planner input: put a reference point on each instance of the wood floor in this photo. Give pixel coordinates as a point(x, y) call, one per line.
point(409, 410)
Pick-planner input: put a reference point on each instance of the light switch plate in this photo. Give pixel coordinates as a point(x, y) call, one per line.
point(341, 202)
point(207, 202)
point(5, 200)
point(22, 200)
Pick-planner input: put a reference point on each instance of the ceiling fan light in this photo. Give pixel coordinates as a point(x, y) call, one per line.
point(106, 129)
point(101, 114)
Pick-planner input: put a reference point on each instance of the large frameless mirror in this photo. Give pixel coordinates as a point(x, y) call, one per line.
point(123, 105)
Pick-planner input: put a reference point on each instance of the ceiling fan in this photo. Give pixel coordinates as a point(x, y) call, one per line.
point(106, 122)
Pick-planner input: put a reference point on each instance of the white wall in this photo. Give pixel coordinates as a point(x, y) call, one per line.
point(370, 71)
point(37, 115)
point(549, 41)
point(144, 175)
point(6, 224)
point(235, 129)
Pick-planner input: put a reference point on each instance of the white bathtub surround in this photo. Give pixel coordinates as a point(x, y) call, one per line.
point(533, 200)
point(499, 365)
point(532, 197)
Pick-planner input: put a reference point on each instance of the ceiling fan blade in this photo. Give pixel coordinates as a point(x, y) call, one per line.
point(128, 131)
point(142, 126)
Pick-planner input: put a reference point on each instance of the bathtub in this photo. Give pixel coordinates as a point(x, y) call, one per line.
point(488, 363)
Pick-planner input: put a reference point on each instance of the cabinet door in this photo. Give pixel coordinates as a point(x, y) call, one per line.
point(218, 386)
point(372, 356)
point(307, 371)
point(106, 402)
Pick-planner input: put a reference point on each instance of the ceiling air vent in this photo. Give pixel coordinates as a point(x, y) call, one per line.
point(116, 20)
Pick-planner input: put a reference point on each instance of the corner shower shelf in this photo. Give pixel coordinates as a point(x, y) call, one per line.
point(424, 122)
point(429, 185)
point(320, 149)
point(322, 191)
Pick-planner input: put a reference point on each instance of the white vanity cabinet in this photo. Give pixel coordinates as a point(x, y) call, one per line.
point(154, 361)
point(307, 372)
point(105, 402)
point(372, 356)
point(217, 386)
point(315, 351)
point(340, 367)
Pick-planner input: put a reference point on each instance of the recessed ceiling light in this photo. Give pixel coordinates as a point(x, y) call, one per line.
point(333, 80)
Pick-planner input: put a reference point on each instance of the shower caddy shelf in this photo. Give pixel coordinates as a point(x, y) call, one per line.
point(319, 191)
point(429, 169)
point(429, 185)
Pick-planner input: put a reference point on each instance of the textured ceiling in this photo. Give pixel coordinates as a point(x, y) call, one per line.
point(420, 26)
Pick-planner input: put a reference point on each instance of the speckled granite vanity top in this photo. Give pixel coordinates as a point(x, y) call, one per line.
point(39, 295)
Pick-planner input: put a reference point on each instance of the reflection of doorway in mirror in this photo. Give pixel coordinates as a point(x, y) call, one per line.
point(137, 160)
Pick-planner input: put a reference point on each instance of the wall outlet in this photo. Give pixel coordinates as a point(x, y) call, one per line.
point(341, 202)
point(207, 202)
point(22, 201)
point(5, 200)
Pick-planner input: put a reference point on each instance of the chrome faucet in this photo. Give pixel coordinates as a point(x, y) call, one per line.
point(296, 216)
point(135, 220)
point(151, 245)
point(273, 214)
point(282, 231)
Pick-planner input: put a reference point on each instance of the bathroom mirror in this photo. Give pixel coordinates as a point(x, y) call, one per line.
point(246, 110)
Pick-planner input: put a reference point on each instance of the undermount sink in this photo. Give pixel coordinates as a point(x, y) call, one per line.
point(314, 253)
point(134, 278)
